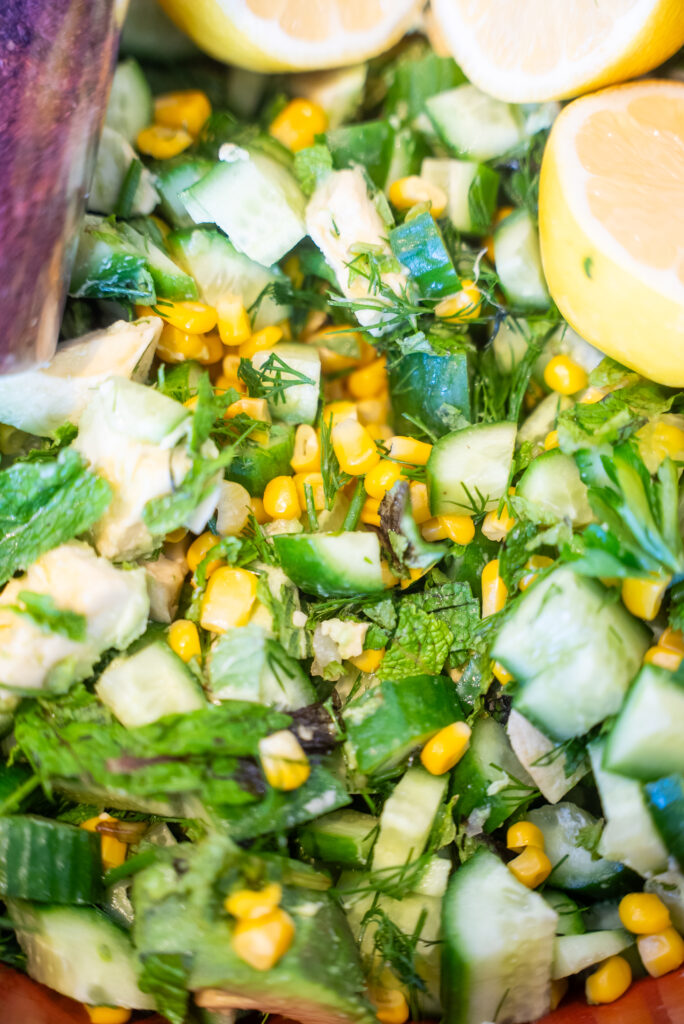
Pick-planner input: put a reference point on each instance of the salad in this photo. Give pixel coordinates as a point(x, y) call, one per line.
point(342, 607)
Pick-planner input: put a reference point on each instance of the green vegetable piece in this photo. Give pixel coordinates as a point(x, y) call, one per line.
point(419, 245)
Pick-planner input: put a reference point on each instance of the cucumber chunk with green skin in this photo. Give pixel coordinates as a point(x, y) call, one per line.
point(297, 401)
point(245, 663)
point(332, 564)
point(407, 818)
point(574, 953)
point(130, 107)
point(49, 861)
point(258, 463)
point(471, 190)
point(468, 470)
point(474, 125)
point(518, 262)
point(645, 741)
point(368, 145)
point(670, 887)
point(629, 834)
point(392, 719)
point(564, 827)
point(171, 178)
point(489, 780)
point(408, 150)
point(665, 799)
point(497, 946)
point(418, 245)
point(552, 489)
point(344, 837)
point(567, 687)
point(114, 158)
point(170, 281)
point(80, 953)
point(428, 392)
point(108, 266)
point(570, 920)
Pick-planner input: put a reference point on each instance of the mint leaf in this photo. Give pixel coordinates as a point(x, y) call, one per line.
point(454, 605)
point(44, 504)
point(44, 613)
point(614, 418)
point(311, 165)
point(420, 645)
point(165, 976)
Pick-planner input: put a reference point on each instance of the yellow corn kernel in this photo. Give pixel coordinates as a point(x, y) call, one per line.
point(112, 850)
point(162, 143)
point(660, 656)
point(368, 661)
point(315, 482)
point(379, 431)
point(488, 242)
point(184, 639)
point(661, 952)
point(564, 375)
point(176, 535)
point(609, 982)
point(388, 577)
point(262, 941)
point(368, 381)
point(524, 834)
point(667, 441)
point(354, 447)
point(228, 599)
point(434, 529)
point(494, 590)
point(193, 317)
point(672, 640)
point(531, 867)
point(463, 305)
point(534, 565)
point(198, 550)
point(298, 124)
point(446, 748)
point(370, 512)
point(293, 268)
point(280, 498)
point(248, 904)
point(332, 361)
point(592, 395)
point(551, 440)
point(390, 1004)
point(414, 574)
point(283, 760)
point(501, 674)
point(407, 192)
point(381, 478)
point(176, 346)
point(306, 457)
point(495, 526)
point(459, 529)
point(338, 412)
point(267, 337)
point(373, 410)
point(233, 321)
point(108, 1014)
point(409, 450)
point(643, 597)
point(559, 990)
point(187, 108)
point(420, 504)
point(254, 408)
point(258, 510)
point(644, 913)
point(230, 365)
point(191, 403)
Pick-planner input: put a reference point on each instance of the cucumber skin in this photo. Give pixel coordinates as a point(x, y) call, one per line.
point(420, 384)
point(653, 688)
point(419, 246)
point(665, 799)
point(48, 861)
point(304, 559)
point(258, 464)
point(471, 781)
point(369, 144)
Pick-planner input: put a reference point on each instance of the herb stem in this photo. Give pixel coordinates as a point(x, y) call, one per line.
point(351, 519)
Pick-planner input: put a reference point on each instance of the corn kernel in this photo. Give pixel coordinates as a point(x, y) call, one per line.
point(644, 913)
point(192, 317)
point(420, 504)
point(643, 597)
point(233, 322)
point(368, 381)
point(280, 498)
point(258, 510)
point(368, 661)
point(463, 305)
point(249, 904)
point(306, 457)
point(667, 441)
point(354, 447)
point(370, 512)
point(661, 952)
point(501, 674)
point(381, 478)
point(494, 590)
point(388, 577)
point(108, 1014)
point(409, 450)
point(373, 410)
point(184, 639)
point(228, 599)
point(315, 482)
point(446, 748)
point(263, 941)
point(176, 346)
point(534, 565)
point(293, 268)
point(267, 337)
point(298, 124)
point(113, 851)
point(163, 143)
point(559, 990)
point(551, 440)
point(283, 760)
point(459, 529)
point(414, 574)
point(339, 411)
point(379, 431)
point(390, 1004)
point(187, 108)
point(609, 982)
point(524, 834)
point(331, 360)
point(531, 867)
point(672, 640)
point(564, 375)
point(176, 535)
point(592, 395)
point(198, 550)
point(407, 192)
point(660, 656)
point(496, 527)
point(254, 408)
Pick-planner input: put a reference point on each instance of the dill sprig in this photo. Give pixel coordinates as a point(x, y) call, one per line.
point(272, 379)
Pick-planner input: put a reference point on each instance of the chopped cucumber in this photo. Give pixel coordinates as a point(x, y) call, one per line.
point(142, 687)
point(567, 688)
point(48, 861)
point(258, 462)
point(344, 837)
point(139, 412)
point(544, 762)
point(114, 158)
point(418, 244)
point(255, 200)
point(389, 721)
point(429, 392)
point(245, 663)
point(108, 266)
point(518, 262)
point(670, 887)
point(665, 799)
point(368, 145)
point(434, 879)
point(471, 190)
point(474, 125)
point(407, 818)
point(171, 178)
point(498, 946)
point(646, 739)
point(130, 107)
point(79, 952)
point(286, 364)
point(468, 470)
point(552, 487)
point(332, 564)
point(408, 150)
point(490, 781)
point(170, 281)
point(574, 953)
point(570, 920)
point(629, 834)
point(575, 868)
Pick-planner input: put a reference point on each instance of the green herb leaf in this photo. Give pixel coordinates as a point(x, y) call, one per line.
point(420, 645)
point(44, 613)
point(311, 166)
point(165, 977)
